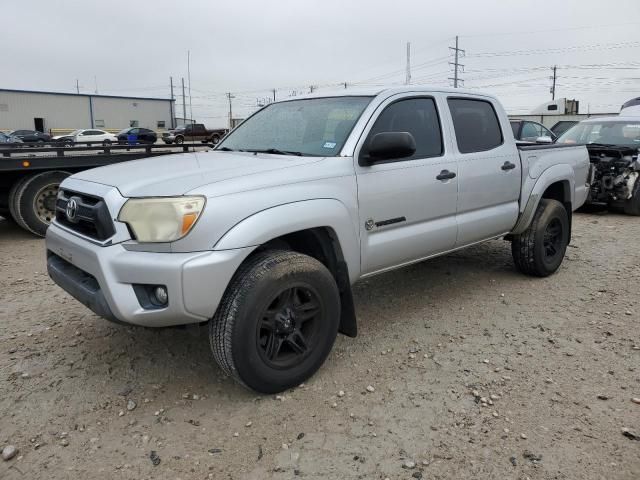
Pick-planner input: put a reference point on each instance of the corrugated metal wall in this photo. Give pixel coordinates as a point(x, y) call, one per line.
point(17, 110)
point(59, 111)
point(119, 112)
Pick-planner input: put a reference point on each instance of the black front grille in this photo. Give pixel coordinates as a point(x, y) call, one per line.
point(92, 217)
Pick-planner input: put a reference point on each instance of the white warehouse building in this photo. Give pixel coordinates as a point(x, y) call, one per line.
point(48, 111)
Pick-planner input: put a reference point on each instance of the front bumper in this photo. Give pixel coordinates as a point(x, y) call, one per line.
point(103, 279)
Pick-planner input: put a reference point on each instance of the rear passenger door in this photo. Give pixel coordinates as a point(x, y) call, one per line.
point(407, 206)
point(489, 170)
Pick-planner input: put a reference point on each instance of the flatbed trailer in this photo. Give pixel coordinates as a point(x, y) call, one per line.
point(30, 176)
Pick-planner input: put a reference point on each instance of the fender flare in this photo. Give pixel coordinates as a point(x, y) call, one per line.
point(557, 173)
point(279, 220)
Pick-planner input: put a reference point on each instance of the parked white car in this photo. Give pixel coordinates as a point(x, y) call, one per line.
point(87, 135)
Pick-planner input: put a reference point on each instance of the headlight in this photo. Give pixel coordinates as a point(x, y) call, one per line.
point(161, 219)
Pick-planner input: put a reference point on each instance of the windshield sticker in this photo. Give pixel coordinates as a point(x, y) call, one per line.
point(329, 145)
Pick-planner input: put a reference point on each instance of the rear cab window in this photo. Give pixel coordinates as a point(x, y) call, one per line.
point(476, 125)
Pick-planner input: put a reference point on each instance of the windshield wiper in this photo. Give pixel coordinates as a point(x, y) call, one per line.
point(276, 151)
point(601, 145)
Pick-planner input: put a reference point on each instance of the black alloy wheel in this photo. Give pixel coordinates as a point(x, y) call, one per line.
point(287, 329)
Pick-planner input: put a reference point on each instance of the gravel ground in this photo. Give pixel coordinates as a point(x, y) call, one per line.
point(477, 372)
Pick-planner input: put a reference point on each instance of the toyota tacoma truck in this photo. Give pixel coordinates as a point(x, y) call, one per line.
point(264, 236)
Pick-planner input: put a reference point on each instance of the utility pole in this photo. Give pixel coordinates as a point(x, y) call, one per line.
point(173, 117)
point(345, 85)
point(408, 78)
point(553, 87)
point(311, 88)
point(77, 87)
point(95, 82)
point(458, 53)
point(229, 96)
point(184, 104)
point(274, 94)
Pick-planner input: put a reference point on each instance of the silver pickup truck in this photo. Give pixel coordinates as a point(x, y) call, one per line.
point(264, 236)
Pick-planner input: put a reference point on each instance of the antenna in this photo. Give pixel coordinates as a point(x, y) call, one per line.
point(408, 79)
point(189, 80)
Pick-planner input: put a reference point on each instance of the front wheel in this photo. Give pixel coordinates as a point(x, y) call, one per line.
point(179, 140)
point(540, 249)
point(277, 321)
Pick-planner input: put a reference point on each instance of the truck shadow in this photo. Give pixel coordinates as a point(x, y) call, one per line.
point(181, 356)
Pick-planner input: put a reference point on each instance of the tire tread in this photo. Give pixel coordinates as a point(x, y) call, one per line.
point(222, 325)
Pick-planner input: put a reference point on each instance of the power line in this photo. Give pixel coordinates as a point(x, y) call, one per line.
point(596, 46)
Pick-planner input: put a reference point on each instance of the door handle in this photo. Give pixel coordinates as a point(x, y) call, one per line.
point(508, 166)
point(446, 175)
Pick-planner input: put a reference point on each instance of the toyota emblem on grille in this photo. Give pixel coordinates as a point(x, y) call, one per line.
point(72, 209)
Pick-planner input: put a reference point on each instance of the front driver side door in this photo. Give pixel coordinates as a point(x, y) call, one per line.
point(407, 206)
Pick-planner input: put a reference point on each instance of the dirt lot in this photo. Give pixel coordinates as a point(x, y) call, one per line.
point(557, 361)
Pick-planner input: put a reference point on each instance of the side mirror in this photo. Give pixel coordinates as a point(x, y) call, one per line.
point(544, 139)
point(388, 146)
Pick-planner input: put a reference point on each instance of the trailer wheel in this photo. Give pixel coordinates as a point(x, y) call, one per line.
point(13, 195)
point(632, 205)
point(35, 200)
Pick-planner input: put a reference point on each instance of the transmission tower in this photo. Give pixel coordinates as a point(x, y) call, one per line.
point(457, 66)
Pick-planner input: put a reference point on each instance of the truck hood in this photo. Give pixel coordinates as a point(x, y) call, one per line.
point(173, 175)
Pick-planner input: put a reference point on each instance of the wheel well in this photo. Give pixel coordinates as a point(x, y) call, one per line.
point(561, 192)
point(323, 244)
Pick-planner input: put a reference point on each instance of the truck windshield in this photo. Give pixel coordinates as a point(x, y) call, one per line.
point(313, 127)
point(614, 133)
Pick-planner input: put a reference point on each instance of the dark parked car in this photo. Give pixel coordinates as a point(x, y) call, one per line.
point(31, 136)
point(136, 135)
point(8, 138)
point(527, 131)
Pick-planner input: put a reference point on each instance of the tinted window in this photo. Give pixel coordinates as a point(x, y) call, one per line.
point(476, 125)
point(419, 117)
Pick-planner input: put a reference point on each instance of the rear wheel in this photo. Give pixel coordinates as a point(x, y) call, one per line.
point(277, 322)
point(540, 249)
point(35, 200)
point(179, 140)
point(215, 139)
point(106, 143)
point(632, 205)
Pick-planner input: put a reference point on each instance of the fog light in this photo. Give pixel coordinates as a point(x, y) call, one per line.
point(161, 295)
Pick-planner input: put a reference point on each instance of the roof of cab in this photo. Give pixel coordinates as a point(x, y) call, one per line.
point(387, 91)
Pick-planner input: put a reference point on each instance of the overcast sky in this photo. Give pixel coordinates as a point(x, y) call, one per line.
point(250, 47)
